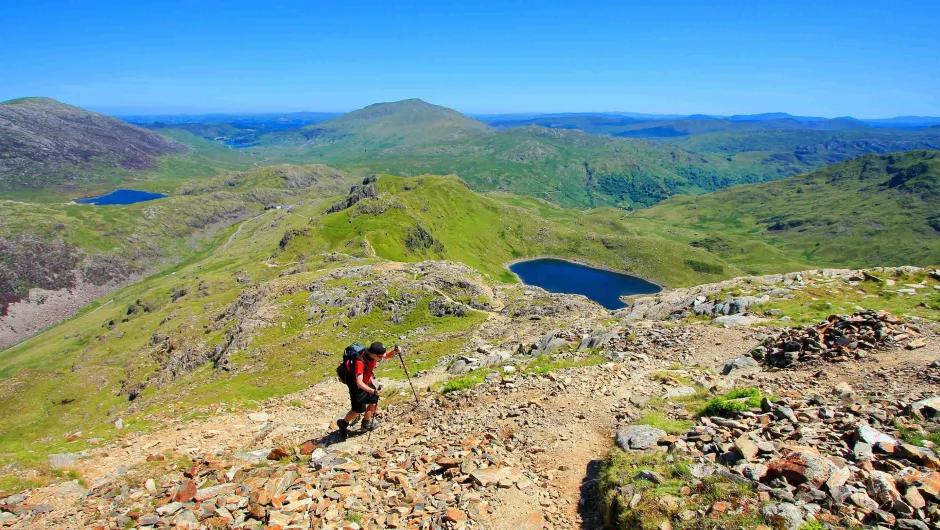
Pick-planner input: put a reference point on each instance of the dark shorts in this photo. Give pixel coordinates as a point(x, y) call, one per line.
point(359, 399)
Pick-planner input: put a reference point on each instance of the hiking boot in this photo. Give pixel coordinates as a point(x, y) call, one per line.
point(343, 429)
point(370, 425)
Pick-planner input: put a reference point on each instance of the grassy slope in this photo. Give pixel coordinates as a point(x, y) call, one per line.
point(873, 210)
point(78, 374)
point(486, 233)
point(118, 241)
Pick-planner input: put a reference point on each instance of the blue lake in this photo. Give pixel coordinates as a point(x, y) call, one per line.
point(121, 197)
point(559, 276)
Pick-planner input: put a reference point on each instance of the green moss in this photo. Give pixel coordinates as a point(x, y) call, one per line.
point(736, 400)
point(465, 381)
point(660, 421)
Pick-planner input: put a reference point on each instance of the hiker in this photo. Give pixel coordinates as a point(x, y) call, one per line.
point(363, 392)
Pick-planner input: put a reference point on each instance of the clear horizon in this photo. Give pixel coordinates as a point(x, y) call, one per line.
point(865, 59)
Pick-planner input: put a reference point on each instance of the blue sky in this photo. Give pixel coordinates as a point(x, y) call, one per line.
point(865, 58)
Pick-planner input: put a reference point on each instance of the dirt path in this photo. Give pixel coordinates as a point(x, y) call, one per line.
point(239, 229)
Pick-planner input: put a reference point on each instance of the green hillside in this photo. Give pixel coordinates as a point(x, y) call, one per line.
point(872, 210)
point(382, 127)
point(570, 167)
point(250, 293)
point(57, 245)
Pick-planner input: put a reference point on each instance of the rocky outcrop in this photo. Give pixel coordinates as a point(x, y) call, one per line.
point(708, 299)
point(357, 193)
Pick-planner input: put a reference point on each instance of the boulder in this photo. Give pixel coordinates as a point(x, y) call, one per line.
point(552, 346)
point(882, 488)
point(784, 515)
point(63, 460)
point(801, 466)
point(927, 408)
point(680, 391)
point(639, 437)
point(734, 321)
point(746, 447)
point(459, 367)
point(872, 436)
point(740, 365)
point(259, 417)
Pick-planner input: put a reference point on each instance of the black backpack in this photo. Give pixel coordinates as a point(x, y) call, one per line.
point(352, 353)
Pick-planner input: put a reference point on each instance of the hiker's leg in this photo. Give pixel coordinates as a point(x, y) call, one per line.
point(370, 410)
point(350, 416)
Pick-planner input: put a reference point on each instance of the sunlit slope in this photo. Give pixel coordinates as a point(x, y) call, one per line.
point(869, 211)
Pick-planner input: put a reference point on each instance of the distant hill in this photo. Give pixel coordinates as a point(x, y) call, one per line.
point(875, 209)
point(381, 127)
point(766, 116)
point(587, 123)
point(44, 142)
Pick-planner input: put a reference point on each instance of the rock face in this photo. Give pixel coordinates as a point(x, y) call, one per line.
point(46, 142)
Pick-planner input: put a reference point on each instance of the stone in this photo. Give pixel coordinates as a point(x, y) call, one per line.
point(734, 321)
point(911, 524)
point(530, 521)
point(801, 466)
point(254, 457)
point(927, 408)
point(278, 453)
point(746, 447)
point(459, 367)
point(455, 516)
point(63, 460)
point(169, 509)
point(872, 436)
point(740, 365)
point(260, 417)
point(150, 485)
point(863, 501)
point(838, 478)
point(186, 492)
point(651, 476)
point(680, 391)
point(883, 489)
point(490, 475)
point(863, 452)
point(914, 499)
point(918, 455)
point(119, 424)
point(639, 437)
point(784, 515)
point(186, 520)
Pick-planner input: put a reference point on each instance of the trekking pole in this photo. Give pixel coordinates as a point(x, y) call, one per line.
point(402, 359)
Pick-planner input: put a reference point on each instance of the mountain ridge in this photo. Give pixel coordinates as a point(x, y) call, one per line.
point(45, 142)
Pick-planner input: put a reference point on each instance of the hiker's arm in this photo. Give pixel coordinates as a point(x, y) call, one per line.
point(391, 353)
point(362, 385)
